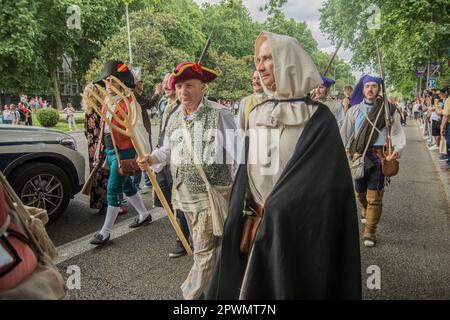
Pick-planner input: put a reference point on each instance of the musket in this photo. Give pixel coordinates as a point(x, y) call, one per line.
point(97, 164)
point(385, 101)
point(313, 92)
point(332, 58)
point(205, 49)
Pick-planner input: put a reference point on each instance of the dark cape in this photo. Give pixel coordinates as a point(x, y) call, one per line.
point(307, 245)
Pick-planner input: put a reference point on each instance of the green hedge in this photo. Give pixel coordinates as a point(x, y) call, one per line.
point(48, 117)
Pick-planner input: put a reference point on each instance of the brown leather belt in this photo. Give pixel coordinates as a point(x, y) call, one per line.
point(378, 152)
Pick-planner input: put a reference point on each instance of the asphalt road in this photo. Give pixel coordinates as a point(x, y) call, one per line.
point(413, 253)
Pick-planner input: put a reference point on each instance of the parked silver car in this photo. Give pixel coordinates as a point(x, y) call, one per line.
point(42, 165)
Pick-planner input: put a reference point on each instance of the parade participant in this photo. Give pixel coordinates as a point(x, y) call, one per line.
point(118, 148)
point(249, 102)
point(321, 94)
point(147, 104)
point(366, 104)
point(201, 122)
point(298, 200)
point(92, 132)
point(346, 100)
point(164, 177)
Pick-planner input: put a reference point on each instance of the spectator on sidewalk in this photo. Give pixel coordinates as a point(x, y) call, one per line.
point(445, 124)
point(435, 124)
point(70, 113)
point(6, 115)
point(15, 115)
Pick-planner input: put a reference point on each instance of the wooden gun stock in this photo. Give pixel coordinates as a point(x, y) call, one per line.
point(90, 180)
point(98, 163)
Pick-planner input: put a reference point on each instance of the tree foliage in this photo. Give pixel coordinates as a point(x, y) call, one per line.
point(411, 33)
point(36, 40)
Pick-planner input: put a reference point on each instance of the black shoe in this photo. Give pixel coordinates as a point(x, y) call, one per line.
point(178, 251)
point(137, 224)
point(98, 239)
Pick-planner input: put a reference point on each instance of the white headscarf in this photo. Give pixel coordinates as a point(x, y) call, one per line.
point(295, 72)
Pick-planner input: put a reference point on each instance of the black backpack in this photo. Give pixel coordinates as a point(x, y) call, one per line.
point(23, 117)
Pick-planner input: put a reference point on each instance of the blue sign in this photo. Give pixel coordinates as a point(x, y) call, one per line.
point(432, 83)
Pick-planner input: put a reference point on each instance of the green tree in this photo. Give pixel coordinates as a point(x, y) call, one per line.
point(411, 33)
point(233, 30)
point(151, 49)
point(35, 39)
point(235, 74)
point(299, 30)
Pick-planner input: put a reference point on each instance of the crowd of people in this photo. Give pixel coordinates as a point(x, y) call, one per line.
point(266, 199)
point(229, 229)
point(431, 111)
point(21, 112)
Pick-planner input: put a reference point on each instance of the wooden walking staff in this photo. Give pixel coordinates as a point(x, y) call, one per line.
point(128, 128)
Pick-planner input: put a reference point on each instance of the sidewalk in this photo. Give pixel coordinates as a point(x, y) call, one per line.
point(441, 168)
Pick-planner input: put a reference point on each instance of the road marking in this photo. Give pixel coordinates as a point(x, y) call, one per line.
point(74, 248)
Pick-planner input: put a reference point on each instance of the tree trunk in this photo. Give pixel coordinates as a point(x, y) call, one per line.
point(55, 80)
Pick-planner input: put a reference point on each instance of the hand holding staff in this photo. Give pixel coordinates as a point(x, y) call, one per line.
point(127, 127)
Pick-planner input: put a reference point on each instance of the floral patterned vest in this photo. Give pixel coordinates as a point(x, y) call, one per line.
point(203, 131)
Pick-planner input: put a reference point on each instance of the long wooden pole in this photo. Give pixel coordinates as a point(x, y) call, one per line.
point(332, 59)
point(385, 101)
point(129, 124)
point(161, 197)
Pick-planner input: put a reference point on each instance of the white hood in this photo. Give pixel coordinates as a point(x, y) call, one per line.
point(295, 72)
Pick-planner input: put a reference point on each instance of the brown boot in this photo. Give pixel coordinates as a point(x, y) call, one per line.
point(361, 197)
point(373, 214)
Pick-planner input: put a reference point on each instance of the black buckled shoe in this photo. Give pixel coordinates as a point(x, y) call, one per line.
point(178, 251)
point(98, 239)
point(137, 224)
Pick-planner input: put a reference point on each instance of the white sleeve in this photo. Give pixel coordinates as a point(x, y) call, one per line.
point(163, 152)
point(348, 125)
point(398, 135)
point(227, 127)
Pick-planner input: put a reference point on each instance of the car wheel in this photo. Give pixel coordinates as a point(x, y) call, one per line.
point(43, 185)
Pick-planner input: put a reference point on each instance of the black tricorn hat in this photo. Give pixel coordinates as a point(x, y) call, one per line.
point(117, 69)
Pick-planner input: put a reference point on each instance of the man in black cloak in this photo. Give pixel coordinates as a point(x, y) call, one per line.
point(294, 194)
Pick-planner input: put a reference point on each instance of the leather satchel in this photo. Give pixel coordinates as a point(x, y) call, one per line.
point(389, 168)
point(357, 166)
point(251, 224)
point(127, 167)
